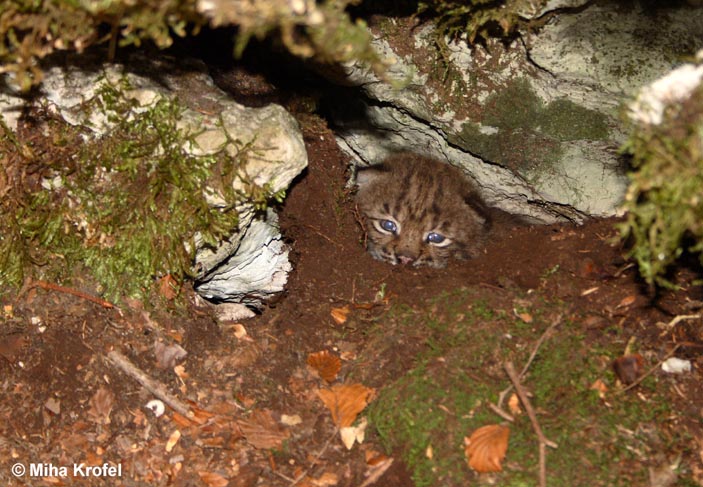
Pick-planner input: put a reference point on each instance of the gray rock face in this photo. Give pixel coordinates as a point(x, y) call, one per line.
point(253, 262)
point(536, 123)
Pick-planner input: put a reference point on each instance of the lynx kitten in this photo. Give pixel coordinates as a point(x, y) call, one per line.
point(420, 211)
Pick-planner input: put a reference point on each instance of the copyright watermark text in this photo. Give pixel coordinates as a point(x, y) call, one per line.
point(76, 470)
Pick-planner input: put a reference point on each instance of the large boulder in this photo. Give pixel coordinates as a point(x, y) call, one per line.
point(535, 121)
point(252, 262)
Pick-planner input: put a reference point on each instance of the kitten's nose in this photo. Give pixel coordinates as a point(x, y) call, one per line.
point(405, 259)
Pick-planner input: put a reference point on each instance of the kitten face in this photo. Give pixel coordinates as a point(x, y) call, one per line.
point(419, 211)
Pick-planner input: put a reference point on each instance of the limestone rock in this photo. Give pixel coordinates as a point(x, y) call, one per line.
point(253, 262)
point(535, 122)
point(240, 277)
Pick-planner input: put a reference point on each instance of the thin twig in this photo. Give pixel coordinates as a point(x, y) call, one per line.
point(649, 372)
point(510, 369)
point(156, 388)
point(503, 414)
point(361, 221)
point(537, 346)
point(67, 290)
point(378, 471)
point(677, 320)
point(317, 231)
point(543, 441)
point(542, 464)
point(540, 341)
point(314, 461)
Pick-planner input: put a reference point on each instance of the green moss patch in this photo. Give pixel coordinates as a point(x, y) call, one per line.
point(665, 200)
point(444, 394)
point(525, 134)
point(125, 206)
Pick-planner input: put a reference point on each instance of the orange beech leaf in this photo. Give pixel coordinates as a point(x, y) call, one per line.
point(485, 449)
point(600, 387)
point(526, 317)
point(181, 420)
point(262, 431)
point(327, 479)
point(200, 416)
point(168, 287)
point(92, 458)
point(325, 364)
point(374, 457)
point(176, 335)
point(627, 301)
point(345, 402)
point(213, 479)
point(173, 440)
point(514, 404)
point(340, 315)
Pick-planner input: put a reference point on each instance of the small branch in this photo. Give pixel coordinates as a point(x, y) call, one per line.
point(676, 321)
point(300, 477)
point(555, 323)
point(156, 388)
point(67, 290)
point(542, 464)
point(378, 472)
point(539, 343)
point(361, 221)
point(503, 414)
point(510, 369)
point(317, 231)
point(543, 441)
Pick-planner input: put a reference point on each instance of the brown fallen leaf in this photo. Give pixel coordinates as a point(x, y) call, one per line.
point(599, 386)
point(262, 431)
point(53, 405)
point(167, 356)
point(325, 364)
point(180, 371)
point(213, 479)
point(629, 368)
point(626, 301)
point(247, 476)
point(586, 268)
point(353, 434)
point(346, 401)
point(327, 479)
point(340, 315)
point(514, 404)
point(101, 405)
point(245, 354)
point(486, 447)
point(12, 345)
point(169, 287)
point(526, 317)
point(173, 440)
point(7, 311)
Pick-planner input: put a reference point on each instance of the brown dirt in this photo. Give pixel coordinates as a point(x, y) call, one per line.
point(63, 402)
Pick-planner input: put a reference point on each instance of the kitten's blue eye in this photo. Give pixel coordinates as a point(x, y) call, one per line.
point(435, 238)
point(389, 226)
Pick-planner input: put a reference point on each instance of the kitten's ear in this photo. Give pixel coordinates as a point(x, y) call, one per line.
point(367, 175)
point(479, 208)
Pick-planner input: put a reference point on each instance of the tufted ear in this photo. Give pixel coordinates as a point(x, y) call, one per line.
point(369, 174)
